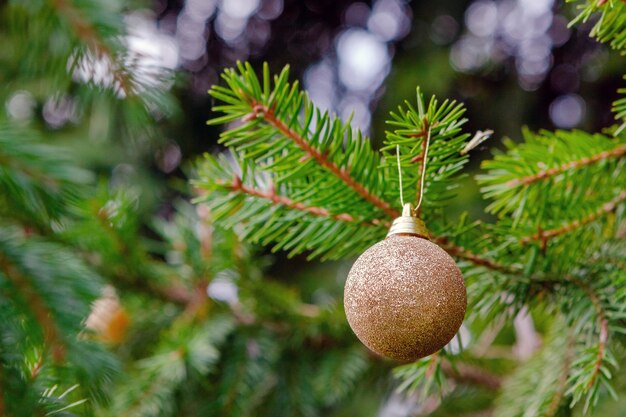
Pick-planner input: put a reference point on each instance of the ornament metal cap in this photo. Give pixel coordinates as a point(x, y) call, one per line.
point(408, 224)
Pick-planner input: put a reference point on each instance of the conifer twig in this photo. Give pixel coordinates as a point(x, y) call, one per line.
point(461, 252)
point(466, 373)
point(281, 200)
point(52, 338)
point(577, 164)
point(175, 293)
point(562, 382)
point(154, 386)
point(341, 173)
point(603, 324)
point(545, 235)
point(451, 248)
point(87, 33)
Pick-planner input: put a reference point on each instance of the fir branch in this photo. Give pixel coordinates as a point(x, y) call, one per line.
point(187, 348)
point(270, 214)
point(89, 36)
point(39, 183)
point(545, 235)
point(281, 133)
point(271, 116)
point(425, 376)
point(418, 127)
point(603, 326)
point(156, 385)
point(339, 373)
point(536, 384)
point(610, 25)
point(52, 338)
point(11, 161)
point(112, 223)
point(559, 169)
point(173, 293)
point(470, 374)
point(553, 408)
point(341, 173)
point(465, 254)
point(246, 379)
point(617, 152)
point(430, 373)
point(238, 186)
point(619, 108)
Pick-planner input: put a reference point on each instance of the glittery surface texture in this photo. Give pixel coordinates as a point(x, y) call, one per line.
point(405, 298)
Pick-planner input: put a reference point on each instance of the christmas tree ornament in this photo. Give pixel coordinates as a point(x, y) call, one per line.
point(405, 297)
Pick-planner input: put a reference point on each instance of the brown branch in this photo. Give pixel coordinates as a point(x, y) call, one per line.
point(562, 382)
point(275, 198)
point(89, 35)
point(52, 337)
point(461, 252)
point(451, 248)
point(544, 235)
point(551, 172)
point(341, 173)
point(603, 323)
point(469, 374)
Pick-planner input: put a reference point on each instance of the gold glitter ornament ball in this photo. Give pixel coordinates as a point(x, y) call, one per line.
point(405, 297)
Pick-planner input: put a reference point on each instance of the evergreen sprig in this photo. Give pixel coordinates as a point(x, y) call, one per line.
point(87, 61)
point(610, 26)
point(553, 195)
point(425, 376)
point(46, 293)
point(323, 181)
point(317, 193)
point(577, 163)
point(427, 137)
point(538, 387)
point(38, 182)
point(619, 108)
point(556, 192)
point(283, 133)
point(295, 225)
point(186, 355)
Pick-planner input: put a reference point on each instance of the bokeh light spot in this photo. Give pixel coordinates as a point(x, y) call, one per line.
point(363, 59)
point(567, 111)
point(481, 18)
point(21, 106)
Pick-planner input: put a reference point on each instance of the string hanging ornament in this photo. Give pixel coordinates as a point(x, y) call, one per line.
point(404, 296)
